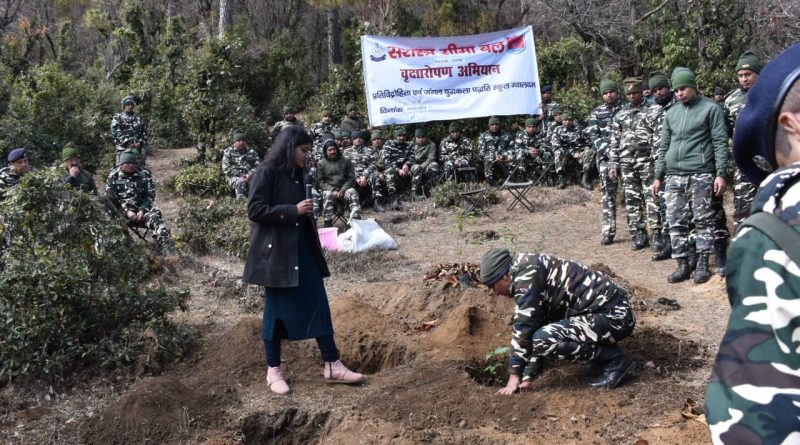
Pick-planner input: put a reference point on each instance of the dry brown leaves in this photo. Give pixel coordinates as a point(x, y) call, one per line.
point(452, 273)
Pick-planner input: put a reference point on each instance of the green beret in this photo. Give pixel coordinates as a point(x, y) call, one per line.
point(420, 132)
point(683, 78)
point(399, 130)
point(288, 109)
point(494, 264)
point(658, 80)
point(70, 151)
point(239, 135)
point(608, 84)
point(557, 110)
point(128, 156)
point(351, 107)
point(633, 85)
point(376, 134)
point(532, 122)
point(454, 127)
point(494, 120)
point(567, 115)
point(128, 99)
point(749, 61)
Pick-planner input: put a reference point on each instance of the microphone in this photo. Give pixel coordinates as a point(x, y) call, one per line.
point(309, 181)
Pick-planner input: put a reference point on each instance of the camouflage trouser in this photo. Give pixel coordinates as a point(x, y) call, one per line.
point(316, 198)
point(567, 166)
point(329, 204)
point(579, 338)
point(587, 159)
point(450, 167)
point(721, 233)
point(688, 199)
point(533, 168)
point(240, 186)
point(364, 194)
point(154, 221)
point(396, 183)
point(642, 208)
point(608, 222)
point(494, 170)
point(420, 177)
point(377, 183)
point(744, 192)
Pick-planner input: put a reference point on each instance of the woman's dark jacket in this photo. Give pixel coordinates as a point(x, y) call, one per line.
point(272, 258)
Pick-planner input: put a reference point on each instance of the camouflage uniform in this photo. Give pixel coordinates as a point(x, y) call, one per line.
point(235, 165)
point(564, 311)
point(337, 174)
point(598, 131)
point(532, 167)
point(319, 129)
point(632, 154)
point(654, 121)
point(393, 156)
point(282, 124)
point(549, 123)
point(127, 129)
point(743, 190)
point(136, 192)
point(566, 142)
point(453, 151)
point(365, 161)
point(491, 145)
point(426, 163)
point(8, 178)
point(753, 394)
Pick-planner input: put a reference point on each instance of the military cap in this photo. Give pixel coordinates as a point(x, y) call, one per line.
point(567, 115)
point(546, 88)
point(69, 151)
point(128, 156)
point(532, 122)
point(454, 127)
point(494, 120)
point(633, 85)
point(351, 107)
point(557, 110)
point(399, 130)
point(420, 132)
point(749, 61)
point(376, 134)
point(658, 80)
point(683, 77)
point(608, 84)
point(239, 135)
point(17, 154)
point(494, 264)
point(327, 143)
point(357, 134)
point(288, 109)
point(330, 135)
point(757, 123)
point(645, 85)
point(719, 91)
point(128, 99)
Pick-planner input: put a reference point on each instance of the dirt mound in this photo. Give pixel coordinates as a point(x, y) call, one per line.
point(662, 353)
point(367, 340)
point(468, 332)
point(291, 426)
point(157, 410)
point(239, 353)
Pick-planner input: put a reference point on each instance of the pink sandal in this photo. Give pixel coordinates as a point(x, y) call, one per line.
point(337, 372)
point(276, 382)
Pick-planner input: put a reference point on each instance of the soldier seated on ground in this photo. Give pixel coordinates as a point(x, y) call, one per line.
point(238, 164)
point(76, 177)
point(17, 167)
point(132, 191)
point(129, 130)
point(426, 162)
point(335, 178)
point(565, 311)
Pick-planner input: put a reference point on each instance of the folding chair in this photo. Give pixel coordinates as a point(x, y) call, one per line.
point(510, 172)
point(547, 169)
point(471, 196)
point(518, 191)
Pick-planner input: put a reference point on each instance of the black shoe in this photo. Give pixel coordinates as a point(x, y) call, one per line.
point(639, 240)
point(327, 223)
point(607, 240)
point(617, 365)
point(656, 241)
point(378, 207)
point(701, 273)
point(666, 252)
point(682, 273)
point(721, 252)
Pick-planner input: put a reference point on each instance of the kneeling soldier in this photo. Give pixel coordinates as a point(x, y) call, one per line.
point(565, 310)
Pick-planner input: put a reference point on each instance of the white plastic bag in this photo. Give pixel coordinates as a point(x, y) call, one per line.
point(365, 234)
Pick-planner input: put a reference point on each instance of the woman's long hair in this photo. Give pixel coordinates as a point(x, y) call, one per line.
point(281, 155)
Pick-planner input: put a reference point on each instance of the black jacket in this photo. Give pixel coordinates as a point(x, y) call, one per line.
point(272, 258)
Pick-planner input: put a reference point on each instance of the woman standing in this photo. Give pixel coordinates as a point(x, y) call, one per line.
point(286, 258)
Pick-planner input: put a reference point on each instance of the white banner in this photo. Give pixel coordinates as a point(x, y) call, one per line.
point(445, 78)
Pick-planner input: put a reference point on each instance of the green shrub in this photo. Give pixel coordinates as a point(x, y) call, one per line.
point(73, 289)
point(219, 224)
point(447, 195)
point(201, 180)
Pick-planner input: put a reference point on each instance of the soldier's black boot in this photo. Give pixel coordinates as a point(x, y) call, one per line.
point(656, 241)
point(701, 273)
point(562, 183)
point(639, 239)
point(585, 181)
point(327, 223)
point(378, 206)
point(607, 240)
point(721, 252)
point(692, 258)
point(666, 252)
point(682, 273)
point(616, 365)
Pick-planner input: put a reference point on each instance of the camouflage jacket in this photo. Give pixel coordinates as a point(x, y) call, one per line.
point(364, 159)
point(548, 289)
point(349, 124)
point(319, 129)
point(8, 178)
point(236, 164)
point(395, 154)
point(569, 140)
point(425, 155)
point(83, 182)
point(734, 102)
point(548, 116)
point(490, 145)
point(131, 192)
point(280, 125)
point(654, 121)
point(598, 127)
point(630, 136)
point(127, 129)
point(452, 150)
point(523, 142)
point(753, 395)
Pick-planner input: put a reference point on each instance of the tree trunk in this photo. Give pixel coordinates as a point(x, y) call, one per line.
point(226, 9)
point(334, 46)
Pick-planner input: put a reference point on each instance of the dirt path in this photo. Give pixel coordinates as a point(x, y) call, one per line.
point(421, 385)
